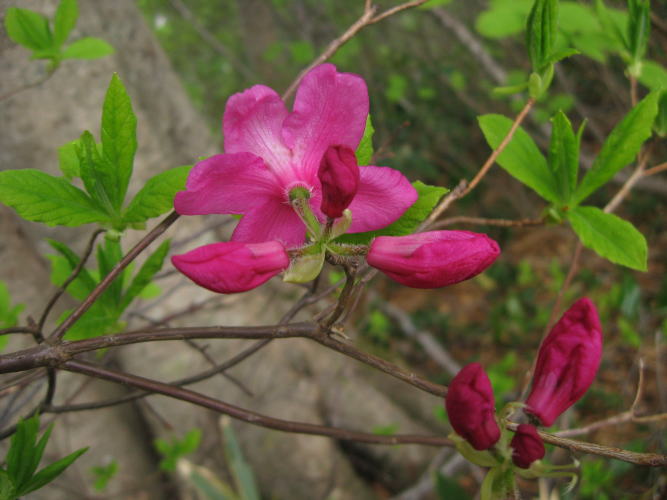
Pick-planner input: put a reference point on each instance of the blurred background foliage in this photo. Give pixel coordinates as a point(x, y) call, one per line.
point(430, 73)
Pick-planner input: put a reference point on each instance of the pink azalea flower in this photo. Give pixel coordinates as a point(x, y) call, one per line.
point(269, 151)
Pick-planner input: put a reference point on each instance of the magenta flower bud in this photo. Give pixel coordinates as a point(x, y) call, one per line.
point(339, 176)
point(567, 362)
point(471, 408)
point(232, 267)
point(527, 446)
point(433, 259)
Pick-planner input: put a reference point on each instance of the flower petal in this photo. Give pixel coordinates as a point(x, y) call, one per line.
point(330, 108)
point(272, 220)
point(252, 124)
point(384, 195)
point(232, 267)
point(227, 184)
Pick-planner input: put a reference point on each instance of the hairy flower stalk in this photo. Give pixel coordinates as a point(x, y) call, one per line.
point(470, 407)
point(433, 259)
point(567, 362)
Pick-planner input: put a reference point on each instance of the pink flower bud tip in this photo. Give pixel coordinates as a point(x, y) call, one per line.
point(471, 408)
point(433, 259)
point(339, 176)
point(567, 362)
point(527, 446)
point(233, 267)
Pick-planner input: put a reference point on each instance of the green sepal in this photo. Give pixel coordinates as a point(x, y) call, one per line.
point(481, 458)
point(306, 267)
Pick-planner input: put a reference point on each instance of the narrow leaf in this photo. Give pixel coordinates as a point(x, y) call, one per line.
point(84, 278)
point(69, 160)
point(610, 236)
point(40, 197)
point(143, 278)
point(97, 175)
point(28, 28)
point(119, 135)
point(621, 147)
point(521, 158)
point(50, 472)
point(541, 31)
point(65, 20)
point(157, 195)
point(563, 156)
point(88, 48)
point(244, 478)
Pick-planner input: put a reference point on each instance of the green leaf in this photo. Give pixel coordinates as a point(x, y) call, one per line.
point(503, 19)
point(560, 55)
point(449, 488)
point(119, 136)
point(85, 282)
point(96, 321)
point(365, 150)
point(65, 20)
point(541, 31)
point(40, 197)
point(409, 221)
point(50, 472)
point(143, 278)
point(638, 28)
point(103, 475)
point(22, 451)
point(88, 48)
point(157, 195)
point(8, 313)
point(69, 160)
point(563, 156)
point(610, 236)
point(108, 255)
point(7, 489)
point(97, 175)
point(621, 147)
point(521, 158)
point(244, 479)
point(653, 75)
point(660, 125)
point(28, 28)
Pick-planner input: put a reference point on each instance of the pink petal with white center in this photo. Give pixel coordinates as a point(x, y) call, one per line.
point(271, 220)
point(232, 267)
point(252, 123)
point(384, 194)
point(227, 184)
point(329, 108)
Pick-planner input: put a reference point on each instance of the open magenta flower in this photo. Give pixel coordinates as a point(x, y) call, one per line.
point(339, 177)
point(471, 407)
point(433, 259)
point(567, 362)
point(232, 267)
point(527, 446)
point(269, 151)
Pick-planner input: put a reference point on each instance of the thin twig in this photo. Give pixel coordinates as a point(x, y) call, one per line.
point(79, 267)
point(60, 331)
point(247, 415)
point(367, 18)
point(655, 170)
point(27, 86)
point(451, 221)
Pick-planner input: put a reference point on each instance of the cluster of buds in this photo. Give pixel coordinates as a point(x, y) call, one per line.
point(567, 362)
point(423, 260)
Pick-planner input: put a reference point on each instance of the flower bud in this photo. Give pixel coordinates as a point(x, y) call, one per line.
point(471, 408)
point(232, 267)
point(339, 176)
point(567, 362)
point(433, 259)
point(527, 446)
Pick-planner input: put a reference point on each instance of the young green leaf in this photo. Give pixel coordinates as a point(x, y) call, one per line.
point(563, 156)
point(621, 147)
point(638, 29)
point(143, 278)
point(108, 255)
point(244, 478)
point(88, 48)
point(541, 32)
point(50, 472)
point(21, 452)
point(610, 236)
point(660, 125)
point(9, 315)
point(98, 320)
point(40, 197)
point(103, 475)
point(119, 137)
point(69, 160)
point(85, 282)
point(521, 158)
point(157, 195)
point(409, 221)
point(67, 14)
point(28, 28)
point(98, 175)
point(365, 150)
